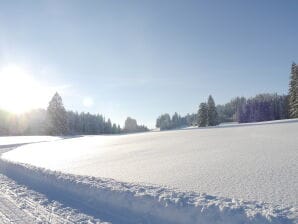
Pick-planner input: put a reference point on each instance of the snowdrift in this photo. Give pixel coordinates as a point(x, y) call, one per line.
point(120, 202)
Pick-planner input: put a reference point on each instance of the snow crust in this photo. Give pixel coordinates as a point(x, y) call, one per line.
point(120, 202)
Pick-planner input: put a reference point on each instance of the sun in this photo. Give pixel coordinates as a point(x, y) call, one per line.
point(88, 102)
point(19, 91)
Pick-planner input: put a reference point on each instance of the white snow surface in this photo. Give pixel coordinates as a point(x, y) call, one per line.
point(120, 202)
point(255, 162)
point(20, 205)
point(15, 140)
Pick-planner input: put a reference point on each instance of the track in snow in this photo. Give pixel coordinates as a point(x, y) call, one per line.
point(10, 213)
point(20, 205)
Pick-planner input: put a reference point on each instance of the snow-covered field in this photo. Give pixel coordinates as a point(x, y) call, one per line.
point(235, 164)
point(10, 142)
point(14, 140)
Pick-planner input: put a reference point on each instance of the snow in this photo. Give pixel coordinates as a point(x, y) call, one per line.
point(20, 205)
point(15, 140)
point(256, 162)
point(252, 169)
point(124, 203)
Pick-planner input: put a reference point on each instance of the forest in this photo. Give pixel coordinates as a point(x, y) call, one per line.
point(262, 107)
point(56, 120)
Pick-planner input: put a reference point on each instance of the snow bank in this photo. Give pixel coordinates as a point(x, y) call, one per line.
point(18, 204)
point(120, 202)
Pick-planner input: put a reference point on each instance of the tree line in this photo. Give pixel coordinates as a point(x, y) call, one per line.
point(131, 126)
point(262, 107)
point(55, 120)
point(167, 122)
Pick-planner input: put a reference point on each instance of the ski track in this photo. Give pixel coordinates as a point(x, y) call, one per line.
point(20, 205)
point(10, 213)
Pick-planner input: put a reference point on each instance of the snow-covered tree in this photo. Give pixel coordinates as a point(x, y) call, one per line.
point(293, 92)
point(203, 115)
point(131, 125)
point(264, 107)
point(108, 127)
point(164, 122)
point(212, 113)
point(56, 115)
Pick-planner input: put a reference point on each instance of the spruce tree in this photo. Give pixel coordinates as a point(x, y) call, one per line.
point(130, 125)
point(175, 120)
point(56, 116)
point(164, 122)
point(212, 112)
point(108, 127)
point(293, 92)
point(203, 115)
point(118, 129)
point(114, 129)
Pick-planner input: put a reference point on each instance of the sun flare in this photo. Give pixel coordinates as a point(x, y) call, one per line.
point(19, 91)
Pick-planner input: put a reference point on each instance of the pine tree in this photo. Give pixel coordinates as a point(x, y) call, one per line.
point(118, 129)
point(56, 116)
point(293, 92)
point(203, 115)
point(130, 125)
point(212, 113)
point(164, 122)
point(114, 129)
point(108, 127)
point(175, 120)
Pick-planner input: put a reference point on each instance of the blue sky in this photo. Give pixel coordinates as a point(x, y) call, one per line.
point(144, 58)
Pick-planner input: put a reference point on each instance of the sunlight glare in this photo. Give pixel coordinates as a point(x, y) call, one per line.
point(20, 92)
point(88, 102)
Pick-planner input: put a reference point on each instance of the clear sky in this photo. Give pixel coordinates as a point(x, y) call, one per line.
point(143, 58)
